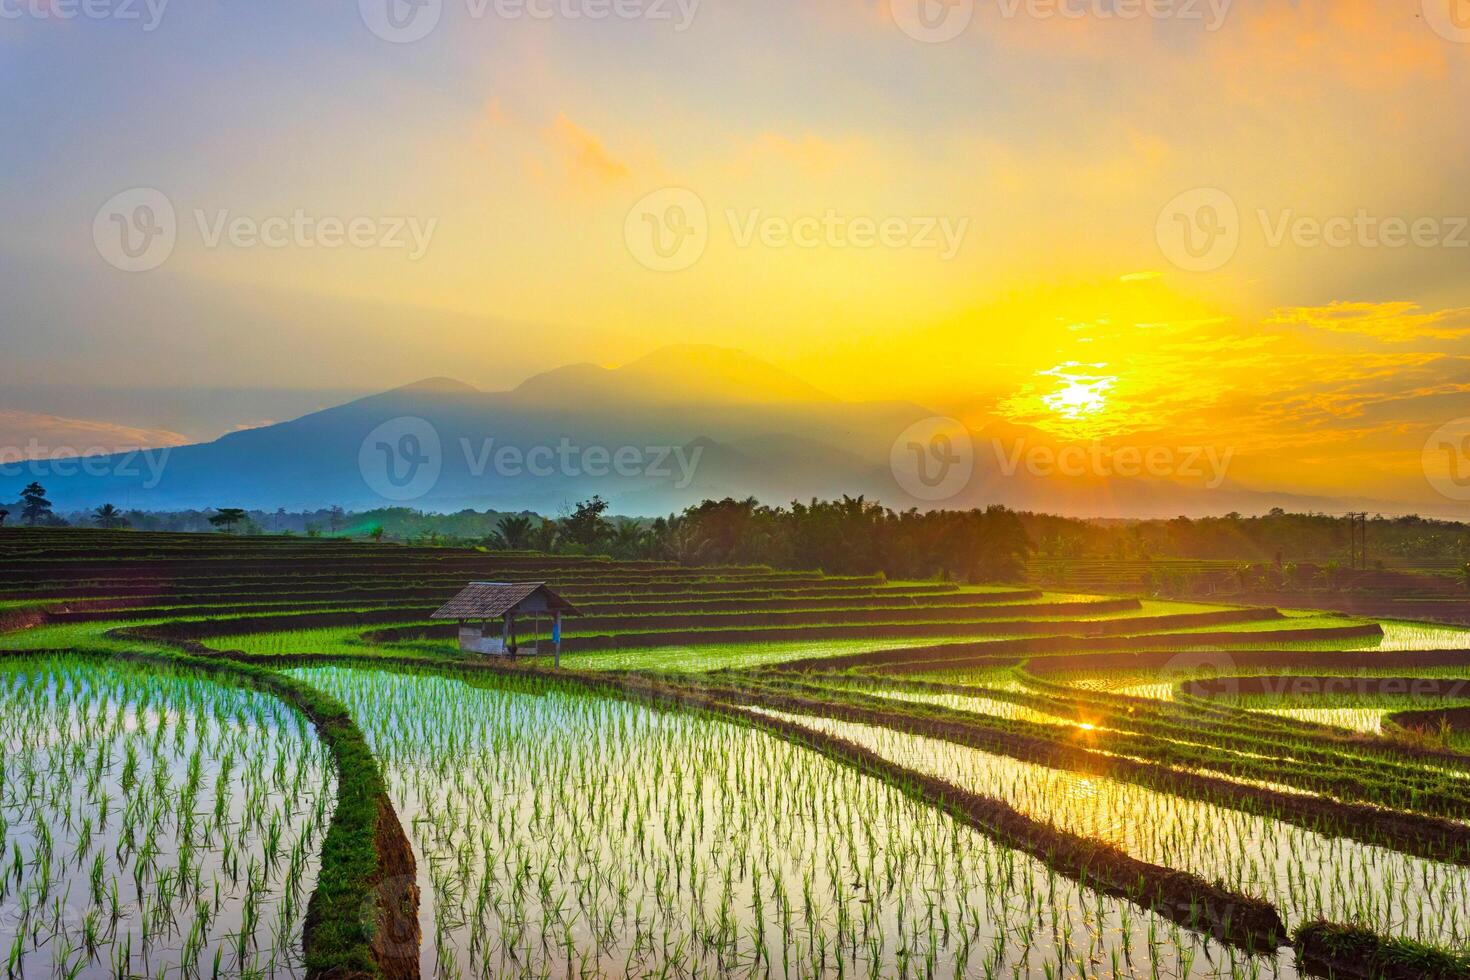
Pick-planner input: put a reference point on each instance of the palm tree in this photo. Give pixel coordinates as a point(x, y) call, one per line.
point(109, 517)
point(628, 539)
point(515, 532)
point(544, 537)
point(685, 544)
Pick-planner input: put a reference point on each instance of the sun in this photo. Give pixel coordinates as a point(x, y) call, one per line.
point(1080, 395)
point(1073, 400)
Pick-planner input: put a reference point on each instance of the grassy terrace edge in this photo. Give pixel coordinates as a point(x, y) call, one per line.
point(1248, 923)
point(1349, 953)
point(362, 918)
point(367, 893)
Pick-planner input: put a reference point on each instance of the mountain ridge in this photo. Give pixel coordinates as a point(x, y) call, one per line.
point(652, 436)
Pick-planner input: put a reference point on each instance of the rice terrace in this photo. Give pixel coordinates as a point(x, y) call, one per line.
point(754, 489)
point(262, 757)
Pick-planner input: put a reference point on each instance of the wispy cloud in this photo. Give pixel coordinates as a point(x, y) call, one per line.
point(1397, 321)
point(580, 159)
point(32, 435)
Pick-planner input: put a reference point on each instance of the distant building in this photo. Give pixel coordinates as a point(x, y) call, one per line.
point(490, 612)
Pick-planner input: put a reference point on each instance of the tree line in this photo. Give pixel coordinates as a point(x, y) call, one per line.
point(850, 536)
point(1277, 537)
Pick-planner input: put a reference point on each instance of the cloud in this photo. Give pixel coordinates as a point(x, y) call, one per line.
point(562, 155)
point(1397, 321)
point(812, 155)
point(31, 435)
point(1315, 46)
point(579, 158)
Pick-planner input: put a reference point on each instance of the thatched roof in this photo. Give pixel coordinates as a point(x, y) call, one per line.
point(491, 600)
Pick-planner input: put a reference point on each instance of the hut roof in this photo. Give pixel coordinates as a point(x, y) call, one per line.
point(489, 600)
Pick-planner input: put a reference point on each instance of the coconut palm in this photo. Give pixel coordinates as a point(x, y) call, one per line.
point(109, 517)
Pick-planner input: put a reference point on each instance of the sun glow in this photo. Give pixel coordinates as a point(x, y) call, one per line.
point(1080, 395)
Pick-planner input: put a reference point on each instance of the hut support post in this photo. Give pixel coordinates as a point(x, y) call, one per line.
point(556, 639)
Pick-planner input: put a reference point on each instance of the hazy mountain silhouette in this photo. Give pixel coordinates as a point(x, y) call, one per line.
point(686, 422)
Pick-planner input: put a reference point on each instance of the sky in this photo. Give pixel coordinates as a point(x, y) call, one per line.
point(1147, 222)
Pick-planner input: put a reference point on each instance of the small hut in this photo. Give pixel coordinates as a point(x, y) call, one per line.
point(490, 612)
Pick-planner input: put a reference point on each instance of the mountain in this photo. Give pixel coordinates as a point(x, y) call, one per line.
point(682, 374)
point(652, 437)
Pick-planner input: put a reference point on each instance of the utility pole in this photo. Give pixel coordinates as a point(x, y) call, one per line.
point(1358, 539)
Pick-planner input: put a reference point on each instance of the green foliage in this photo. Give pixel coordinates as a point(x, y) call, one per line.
point(226, 519)
point(851, 536)
point(35, 508)
point(109, 518)
point(1276, 537)
point(1368, 954)
point(586, 527)
point(339, 933)
point(513, 533)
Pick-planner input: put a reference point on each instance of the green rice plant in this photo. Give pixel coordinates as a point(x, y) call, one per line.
point(1306, 875)
point(118, 786)
point(562, 834)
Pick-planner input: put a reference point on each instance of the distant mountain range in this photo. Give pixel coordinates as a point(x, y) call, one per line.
point(670, 429)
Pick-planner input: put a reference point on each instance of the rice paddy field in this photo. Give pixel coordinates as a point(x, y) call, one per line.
point(261, 757)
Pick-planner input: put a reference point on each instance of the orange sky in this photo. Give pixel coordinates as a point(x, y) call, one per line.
point(994, 225)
